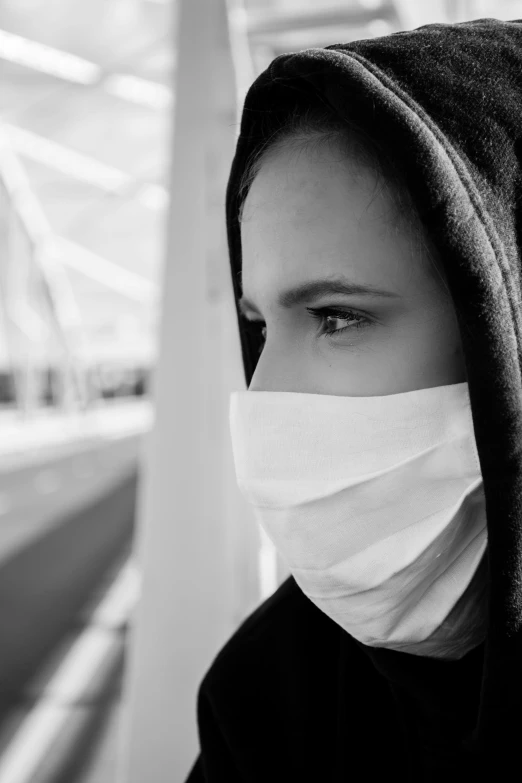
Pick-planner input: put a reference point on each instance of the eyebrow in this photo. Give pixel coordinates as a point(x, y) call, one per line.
point(314, 289)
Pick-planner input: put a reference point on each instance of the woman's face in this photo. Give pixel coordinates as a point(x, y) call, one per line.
point(349, 301)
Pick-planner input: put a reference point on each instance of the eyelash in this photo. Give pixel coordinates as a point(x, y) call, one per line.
point(322, 313)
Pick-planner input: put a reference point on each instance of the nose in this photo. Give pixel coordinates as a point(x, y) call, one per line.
point(279, 368)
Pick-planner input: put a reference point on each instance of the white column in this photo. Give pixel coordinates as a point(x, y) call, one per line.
point(196, 543)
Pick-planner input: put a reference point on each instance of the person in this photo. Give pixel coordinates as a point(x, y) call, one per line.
point(374, 213)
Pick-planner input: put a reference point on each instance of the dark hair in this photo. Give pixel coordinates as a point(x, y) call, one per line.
point(319, 125)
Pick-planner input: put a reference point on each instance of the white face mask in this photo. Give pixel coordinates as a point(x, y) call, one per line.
point(375, 503)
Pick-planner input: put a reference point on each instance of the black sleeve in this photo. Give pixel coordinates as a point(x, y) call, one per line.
point(215, 763)
point(196, 774)
point(234, 707)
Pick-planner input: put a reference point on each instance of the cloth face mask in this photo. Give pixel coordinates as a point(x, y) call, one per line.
point(376, 504)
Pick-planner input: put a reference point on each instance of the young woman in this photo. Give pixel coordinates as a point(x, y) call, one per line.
point(375, 223)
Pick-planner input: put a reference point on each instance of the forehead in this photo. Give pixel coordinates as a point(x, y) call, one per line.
point(312, 210)
point(303, 178)
point(314, 213)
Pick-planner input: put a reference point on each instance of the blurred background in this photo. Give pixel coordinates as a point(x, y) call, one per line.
point(117, 127)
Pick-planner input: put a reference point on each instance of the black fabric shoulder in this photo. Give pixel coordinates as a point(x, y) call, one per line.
point(284, 620)
point(289, 697)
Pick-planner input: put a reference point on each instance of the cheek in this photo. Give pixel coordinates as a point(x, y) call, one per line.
point(454, 355)
point(445, 330)
point(437, 346)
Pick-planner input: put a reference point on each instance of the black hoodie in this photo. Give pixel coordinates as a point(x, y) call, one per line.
point(292, 696)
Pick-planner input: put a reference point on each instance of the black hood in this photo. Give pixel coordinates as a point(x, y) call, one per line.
point(446, 102)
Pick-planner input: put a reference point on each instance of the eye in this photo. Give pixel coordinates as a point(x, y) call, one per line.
point(326, 315)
